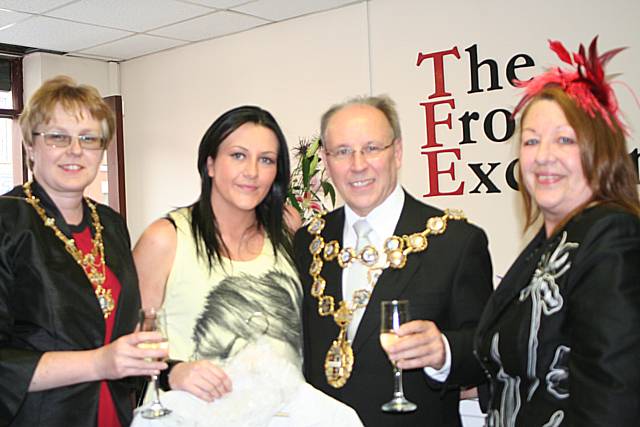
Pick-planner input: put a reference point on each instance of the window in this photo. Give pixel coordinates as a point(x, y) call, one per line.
point(12, 169)
point(6, 158)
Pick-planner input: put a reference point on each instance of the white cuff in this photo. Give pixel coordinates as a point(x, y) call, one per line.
point(441, 374)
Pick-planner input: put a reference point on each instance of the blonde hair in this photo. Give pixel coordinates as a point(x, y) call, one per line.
point(73, 98)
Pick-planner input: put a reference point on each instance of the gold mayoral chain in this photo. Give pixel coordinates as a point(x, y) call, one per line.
point(338, 363)
point(95, 272)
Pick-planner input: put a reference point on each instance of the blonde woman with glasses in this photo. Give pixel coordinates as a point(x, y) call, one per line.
point(68, 289)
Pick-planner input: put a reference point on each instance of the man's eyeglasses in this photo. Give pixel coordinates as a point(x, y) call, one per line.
point(369, 151)
point(63, 140)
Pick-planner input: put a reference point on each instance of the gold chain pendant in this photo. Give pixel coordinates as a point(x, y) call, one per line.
point(105, 299)
point(92, 264)
point(338, 363)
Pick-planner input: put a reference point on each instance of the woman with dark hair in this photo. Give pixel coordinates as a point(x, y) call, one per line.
point(560, 337)
point(234, 231)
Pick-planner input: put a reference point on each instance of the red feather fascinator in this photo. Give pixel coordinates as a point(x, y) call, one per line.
point(587, 85)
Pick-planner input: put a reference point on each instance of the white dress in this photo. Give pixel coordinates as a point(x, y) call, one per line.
point(213, 314)
point(244, 316)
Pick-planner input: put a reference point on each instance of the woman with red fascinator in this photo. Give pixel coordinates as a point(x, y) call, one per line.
point(560, 337)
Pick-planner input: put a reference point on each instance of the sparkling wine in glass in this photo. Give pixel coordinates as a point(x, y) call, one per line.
point(154, 319)
point(393, 314)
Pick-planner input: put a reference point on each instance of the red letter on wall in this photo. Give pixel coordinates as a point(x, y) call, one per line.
point(430, 121)
point(438, 69)
point(434, 172)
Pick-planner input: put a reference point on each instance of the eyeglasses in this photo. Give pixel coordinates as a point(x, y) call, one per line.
point(63, 140)
point(369, 151)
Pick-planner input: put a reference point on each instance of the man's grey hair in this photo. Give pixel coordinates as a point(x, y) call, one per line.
point(380, 102)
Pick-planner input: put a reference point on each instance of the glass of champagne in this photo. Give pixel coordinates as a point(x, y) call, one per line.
point(154, 319)
point(393, 314)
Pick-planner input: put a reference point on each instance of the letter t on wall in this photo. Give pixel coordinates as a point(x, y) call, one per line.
point(438, 69)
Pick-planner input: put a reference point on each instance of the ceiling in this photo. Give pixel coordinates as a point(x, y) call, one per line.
point(118, 30)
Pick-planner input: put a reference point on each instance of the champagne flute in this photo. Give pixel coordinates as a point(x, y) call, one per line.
point(154, 319)
point(393, 314)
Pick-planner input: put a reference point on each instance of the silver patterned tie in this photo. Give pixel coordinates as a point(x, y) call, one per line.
point(357, 275)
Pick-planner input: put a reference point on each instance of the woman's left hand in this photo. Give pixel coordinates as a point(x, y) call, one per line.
point(201, 378)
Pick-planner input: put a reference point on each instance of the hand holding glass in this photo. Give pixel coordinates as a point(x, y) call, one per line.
point(153, 319)
point(393, 314)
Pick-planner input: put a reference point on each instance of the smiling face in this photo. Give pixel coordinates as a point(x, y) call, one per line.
point(244, 169)
point(550, 162)
point(66, 171)
point(363, 183)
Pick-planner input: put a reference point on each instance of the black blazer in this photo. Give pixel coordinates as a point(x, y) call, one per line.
point(561, 334)
point(48, 304)
point(448, 283)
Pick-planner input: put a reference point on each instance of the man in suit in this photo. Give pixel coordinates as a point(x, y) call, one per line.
point(447, 282)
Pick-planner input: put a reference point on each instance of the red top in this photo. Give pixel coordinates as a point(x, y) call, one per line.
point(107, 414)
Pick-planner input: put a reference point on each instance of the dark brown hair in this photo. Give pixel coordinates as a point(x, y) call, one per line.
point(269, 212)
point(603, 151)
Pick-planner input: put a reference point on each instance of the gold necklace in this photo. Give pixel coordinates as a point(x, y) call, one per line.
point(95, 271)
point(339, 361)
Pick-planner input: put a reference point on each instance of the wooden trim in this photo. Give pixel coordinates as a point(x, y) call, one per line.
point(16, 84)
point(10, 114)
point(16, 90)
point(115, 160)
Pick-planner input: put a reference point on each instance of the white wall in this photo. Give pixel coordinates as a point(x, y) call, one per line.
point(294, 69)
point(298, 68)
point(38, 67)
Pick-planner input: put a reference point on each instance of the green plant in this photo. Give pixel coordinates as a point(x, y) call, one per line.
point(309, 186)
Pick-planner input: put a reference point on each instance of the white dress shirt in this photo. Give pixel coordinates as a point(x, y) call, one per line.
point(383, 220)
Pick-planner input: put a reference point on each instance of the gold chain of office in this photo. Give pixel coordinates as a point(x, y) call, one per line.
point(95, 271)
point(339, 360)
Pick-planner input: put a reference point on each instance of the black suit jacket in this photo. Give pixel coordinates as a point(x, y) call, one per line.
point(47, 304)
point(448, 283)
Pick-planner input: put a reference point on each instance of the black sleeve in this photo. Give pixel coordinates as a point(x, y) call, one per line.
point(472, 287)
point(17, 365)
point(604, 319)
